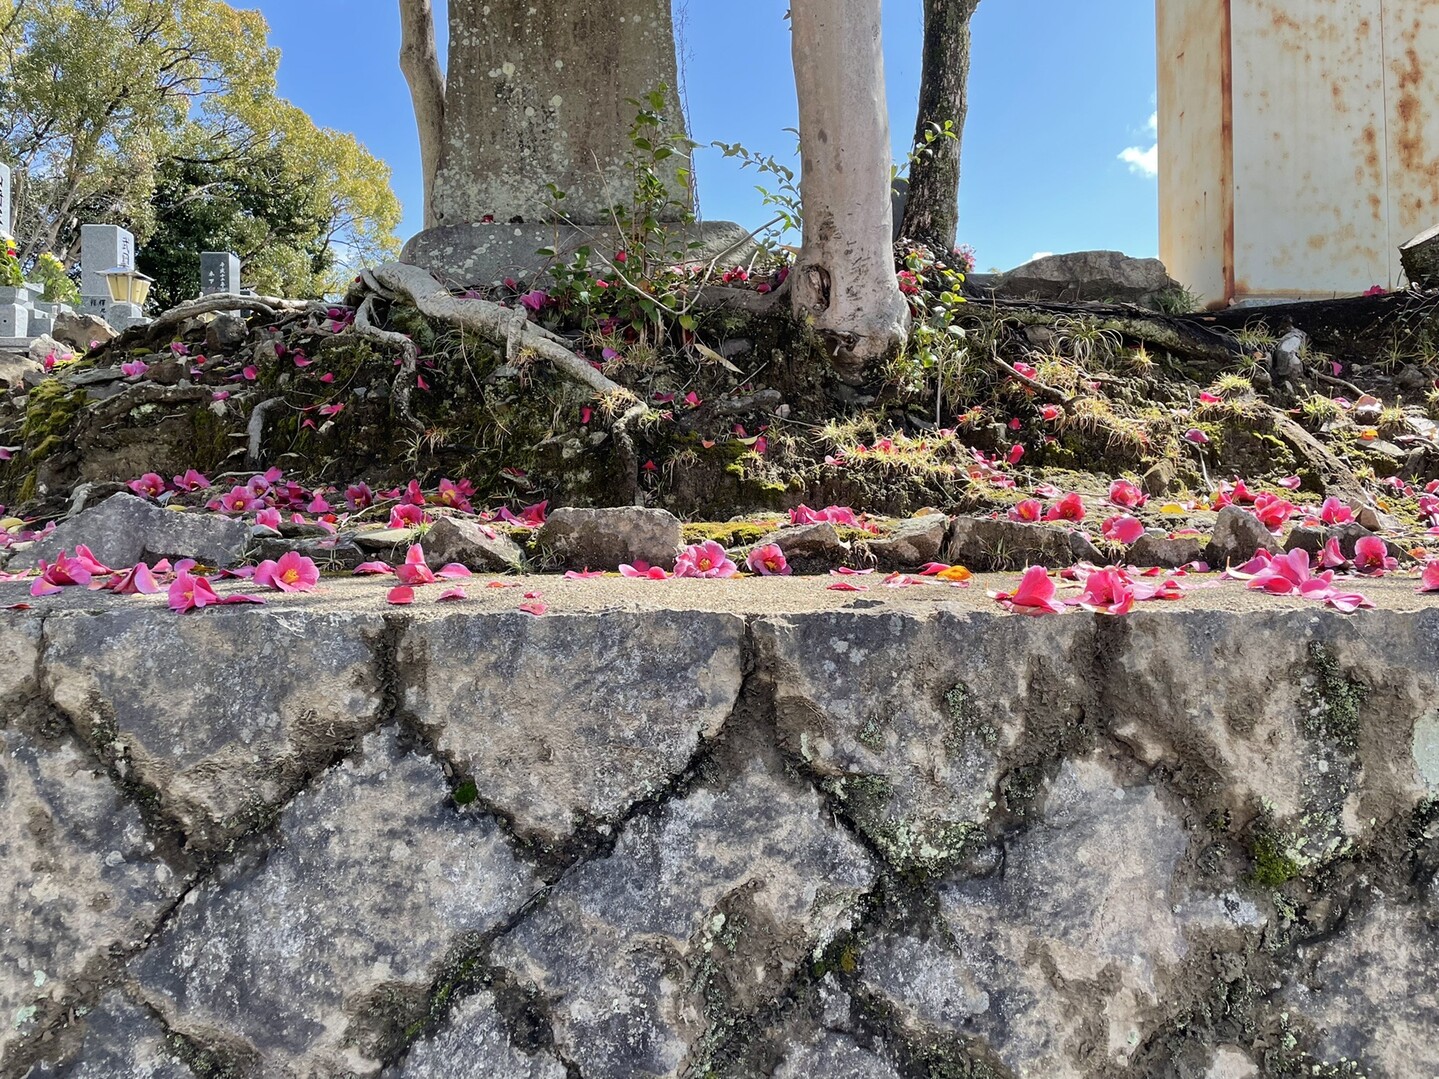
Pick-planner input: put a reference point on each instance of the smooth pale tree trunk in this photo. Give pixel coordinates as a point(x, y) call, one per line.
point(420, 61)
point(931, 212)
point(844, 278)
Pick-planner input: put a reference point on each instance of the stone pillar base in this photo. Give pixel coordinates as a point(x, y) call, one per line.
point(475, 254)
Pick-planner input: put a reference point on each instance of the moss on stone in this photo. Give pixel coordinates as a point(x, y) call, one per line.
point(50, 411)
point(1331, 700)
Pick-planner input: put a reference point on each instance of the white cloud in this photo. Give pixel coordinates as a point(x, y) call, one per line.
point(1142, 161)
point(1040, 255)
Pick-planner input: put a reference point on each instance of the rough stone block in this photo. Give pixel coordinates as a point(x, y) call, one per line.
point(981, 543)
point(319, 956)
point(120, 1041)
point(607, 538)
point(570, 717)
point(223, 715)
point(478, 546)
point(911, 543)
point(915, 742)
point(83, 876)
point(125, 529)
point(703, 911)
point(1238, 534)
point(475, 1044)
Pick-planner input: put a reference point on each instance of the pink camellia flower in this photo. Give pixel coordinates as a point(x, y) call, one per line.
point(768, 560)
point(85, 559)
point(454, 495)
point(1429, 506)
point(1050, 412)
point(1068, 508)
point(1331, 557)
point(268, 517)
point(415, 570)
point(1290, 483)
point(359, 496)
point(1195, 436)
point(643, 569)
point(61, 573)
point(1025, 369)
point(1335, 512)
point(1429, 581)
point(318, 504)
point(529, 517)
point(835, 515)
point(406, 515)
point(238, 500)
point(1123, 528)
point(1015, 453)
point(134, 368)
point(1289, 574)
point(1035, 594)
point(707, 559)
point(189, 593)
point(1030, 510)
point(137, 580)
point(148, 486)
point(292, 572)
point(191, 481)
point(1107, 591)
point(1126, 495)
point(535, 300)
point(1272, 510)
point(1372, 557)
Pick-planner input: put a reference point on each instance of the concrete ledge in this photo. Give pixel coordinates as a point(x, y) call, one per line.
point(736, 828)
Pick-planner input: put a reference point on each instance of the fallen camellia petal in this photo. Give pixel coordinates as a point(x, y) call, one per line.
point(373, 568)
point(847, 586)
point(400, 595)
point(641, 568)
point(582, 574)
point(1429, 582)
point(535, 607)
point(1035, 594)
point(457, 592)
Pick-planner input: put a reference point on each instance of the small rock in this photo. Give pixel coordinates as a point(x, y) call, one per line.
point(1375, 521)
point(380, 539)
point(911, 543)
point(1088, 275)
point(1084, 550)
point(125, 529)
point(167, 372)
point(981, 543)
point(1153, 549)
point(45, 345)
point(480, 547)
point(1237, 535)
point(79, 331)
point(810, 547)
point(1160, 479)
point(226, 331)
point(605, 538)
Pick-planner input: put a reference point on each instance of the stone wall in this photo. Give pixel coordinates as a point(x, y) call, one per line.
point(873, 841)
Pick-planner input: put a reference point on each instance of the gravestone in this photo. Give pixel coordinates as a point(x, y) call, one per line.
point(102, 247)
point(6, 221)
point(219, 272)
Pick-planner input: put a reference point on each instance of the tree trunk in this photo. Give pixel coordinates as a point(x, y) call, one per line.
point(844, 278)
point(420, 61)
point(931, 212)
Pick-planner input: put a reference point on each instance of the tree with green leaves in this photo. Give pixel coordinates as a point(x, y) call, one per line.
point(108, 108)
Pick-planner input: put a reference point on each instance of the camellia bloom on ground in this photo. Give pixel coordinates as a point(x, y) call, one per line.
point(707, 559)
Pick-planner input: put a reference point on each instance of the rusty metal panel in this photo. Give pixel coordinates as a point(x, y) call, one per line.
point(1195, 207)
point(1327, 152)
point(1411, 91)
point(1310, 171)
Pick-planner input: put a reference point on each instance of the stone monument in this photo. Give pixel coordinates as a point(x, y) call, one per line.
point(532, 98)
point(102, 248)
point(219, 272)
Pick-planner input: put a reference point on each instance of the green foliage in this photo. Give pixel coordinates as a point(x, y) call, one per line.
point(105, 104)
point(50, 272)
point(11, 275)
point(783, 198)
point(937, 353)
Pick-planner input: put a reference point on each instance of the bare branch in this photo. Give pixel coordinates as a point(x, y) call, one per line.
point(420, 61)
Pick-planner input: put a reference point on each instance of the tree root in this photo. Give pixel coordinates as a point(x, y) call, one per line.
point(404, 380)
point(255, 430)
point(503, 326)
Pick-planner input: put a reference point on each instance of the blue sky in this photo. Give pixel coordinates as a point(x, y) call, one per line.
point(1058, 92)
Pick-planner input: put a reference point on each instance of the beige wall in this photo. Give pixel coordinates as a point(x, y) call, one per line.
point(1299, 142)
